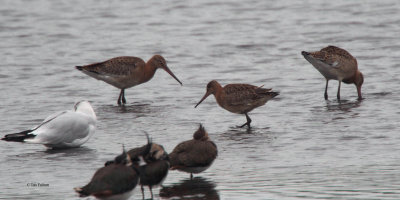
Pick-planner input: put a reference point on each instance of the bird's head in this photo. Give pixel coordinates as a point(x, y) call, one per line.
point(212, 88)
point(160, 62)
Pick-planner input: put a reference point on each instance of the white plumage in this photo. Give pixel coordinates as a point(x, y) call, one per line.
point(64, 129)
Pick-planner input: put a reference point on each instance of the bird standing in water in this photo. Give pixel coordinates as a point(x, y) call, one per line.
point(126, 71)
point(114, 181)
point(196, 155)
point(337, 64)
point(239, 98)
point(154, 164)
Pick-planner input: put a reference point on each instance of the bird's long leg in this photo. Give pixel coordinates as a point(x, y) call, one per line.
point(123, 96)
point(248, 121)
point(141, 188)
point(338, 90)
point(151, 191)
point(191, 176)
point(326, 90)
point(120, 97)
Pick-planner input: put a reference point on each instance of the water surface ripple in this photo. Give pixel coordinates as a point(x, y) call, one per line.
point(300, 146)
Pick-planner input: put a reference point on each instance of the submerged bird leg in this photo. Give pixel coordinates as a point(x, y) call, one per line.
point(120, 97)
point(123, 96)
point(338, 90)
point(151, 191)
point(142, 189)
point(248, 121)
point(326, 90)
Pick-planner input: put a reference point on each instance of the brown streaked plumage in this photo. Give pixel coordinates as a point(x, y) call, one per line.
point(338, 64)
point(239, 98)
point(126, 71)
point(196, 155)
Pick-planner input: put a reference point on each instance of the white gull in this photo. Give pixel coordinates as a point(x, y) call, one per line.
point(66, 129)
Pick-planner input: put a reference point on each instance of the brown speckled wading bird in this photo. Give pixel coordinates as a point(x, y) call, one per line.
point(239, 98)
point(338, 64)
point(125, 72)
point(196, 155)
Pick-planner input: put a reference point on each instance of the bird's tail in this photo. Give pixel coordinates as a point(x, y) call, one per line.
point(273, 94)
point(18, 137)
point(81, 191)
point(268, 92)
point(79, 68)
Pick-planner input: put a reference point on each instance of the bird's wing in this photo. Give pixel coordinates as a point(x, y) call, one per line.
point(241, 94)
point(325, 57)
point(48, 119)
point(210, 153)
point(113, 179)
point(155, 170)
point(336, 57)
point(178, 155)
point(191, 154)
point(137, 151)
point(332, 50)
point(65, 127)
point(119, 66)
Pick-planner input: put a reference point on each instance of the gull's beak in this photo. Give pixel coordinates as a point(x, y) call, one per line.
point(170, 73)
point(204, 97)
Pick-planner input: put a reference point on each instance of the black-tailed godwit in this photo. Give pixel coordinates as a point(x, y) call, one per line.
point(126, 71)
point(239, 98)
point(337, 64)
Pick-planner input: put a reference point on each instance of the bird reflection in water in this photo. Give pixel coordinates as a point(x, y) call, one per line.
point(130, 108)
point(343, 105)
point(197, 188)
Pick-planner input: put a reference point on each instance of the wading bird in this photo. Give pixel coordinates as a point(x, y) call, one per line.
point(126, 71)
point(239, 98)
point(337, 64)
point(114, 181)
point(196, 155)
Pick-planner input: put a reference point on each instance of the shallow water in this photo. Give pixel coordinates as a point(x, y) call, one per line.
point(300, 146)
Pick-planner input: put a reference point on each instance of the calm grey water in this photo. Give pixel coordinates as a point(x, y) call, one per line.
point(300, 146)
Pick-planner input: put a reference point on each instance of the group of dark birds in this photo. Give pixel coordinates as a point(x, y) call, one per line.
point(148, 166)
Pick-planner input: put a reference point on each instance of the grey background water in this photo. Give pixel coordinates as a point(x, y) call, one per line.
point(300, 146)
